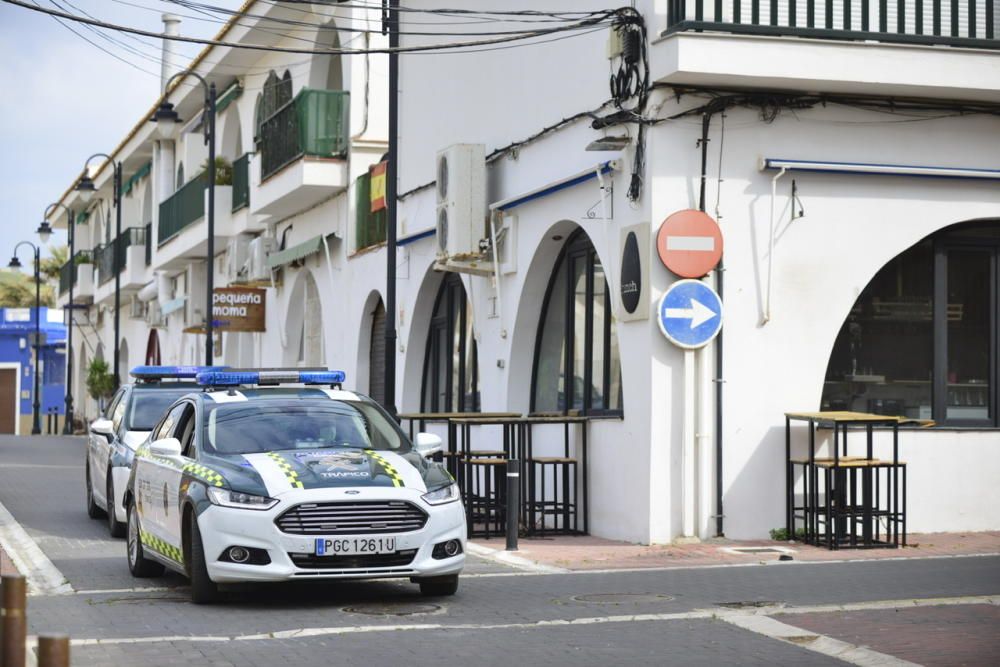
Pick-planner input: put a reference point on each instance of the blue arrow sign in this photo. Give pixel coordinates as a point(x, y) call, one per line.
point(690, 314)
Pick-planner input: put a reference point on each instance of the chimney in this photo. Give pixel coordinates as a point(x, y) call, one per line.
point(168, 60)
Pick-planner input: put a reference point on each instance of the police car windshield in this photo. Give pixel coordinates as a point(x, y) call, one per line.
point(149, 404)
point(248, 427)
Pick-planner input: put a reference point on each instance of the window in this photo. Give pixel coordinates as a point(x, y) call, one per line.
point(163, 430)
point(577, 362)
point(921, 340)
point(451, 370)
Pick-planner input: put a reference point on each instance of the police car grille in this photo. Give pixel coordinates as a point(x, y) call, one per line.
point(352, 518)
point(313, 562)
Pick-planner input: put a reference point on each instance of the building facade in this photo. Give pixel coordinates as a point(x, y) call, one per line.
point(17, 369)
point(852, 169)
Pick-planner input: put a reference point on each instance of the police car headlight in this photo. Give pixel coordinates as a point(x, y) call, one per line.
point(246, 501)
point(446, 494)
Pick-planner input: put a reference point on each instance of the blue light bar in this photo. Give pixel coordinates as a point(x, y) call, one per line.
point(171, 372)
point(225, 378)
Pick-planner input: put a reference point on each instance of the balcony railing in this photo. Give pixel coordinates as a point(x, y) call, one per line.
point(67, 274)
point(149, 246)
point(314, 123)
point(969, 23)
point(369, 228)
point(110, 258)
point(182, 208)
point(241, 182)
point(104, 259)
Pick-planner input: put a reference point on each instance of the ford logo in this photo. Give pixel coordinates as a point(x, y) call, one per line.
point(352, 493)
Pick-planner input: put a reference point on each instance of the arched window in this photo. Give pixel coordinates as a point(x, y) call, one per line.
point(921, 341)
point(577, 363)
point(451, 369)
point(180, 175)
point(311, 336)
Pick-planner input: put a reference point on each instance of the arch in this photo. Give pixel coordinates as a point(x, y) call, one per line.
point(232, 134)
point(99, 352)
point(370, 367)
point(147, 203)
point(327, 71)
point(180, 174)
point(577, 361)
point(921, 339)
point(153, 357)
point(123, 362)
point(304, 323)
point(451, 363)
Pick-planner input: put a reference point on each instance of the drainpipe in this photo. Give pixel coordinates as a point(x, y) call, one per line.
point(770, 248)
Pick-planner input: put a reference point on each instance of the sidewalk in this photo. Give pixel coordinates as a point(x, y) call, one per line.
point(594, 553)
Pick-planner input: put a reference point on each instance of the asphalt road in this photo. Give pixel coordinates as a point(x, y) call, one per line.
point(500, 616)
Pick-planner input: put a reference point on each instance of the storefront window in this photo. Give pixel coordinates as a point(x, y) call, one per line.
point(577, 333)
point(451, 372)
point(921, 339)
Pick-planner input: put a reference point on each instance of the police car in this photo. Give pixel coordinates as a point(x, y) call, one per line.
point(127, 421)
point(254, 480)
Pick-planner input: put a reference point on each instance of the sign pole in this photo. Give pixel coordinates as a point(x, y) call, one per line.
point(687, 457)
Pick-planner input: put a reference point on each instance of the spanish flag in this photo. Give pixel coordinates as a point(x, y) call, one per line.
point(377, 174)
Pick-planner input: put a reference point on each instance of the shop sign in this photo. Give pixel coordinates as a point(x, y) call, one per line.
point(690, 314)
point(633, 285)
point(238, 309)
point(689, 243)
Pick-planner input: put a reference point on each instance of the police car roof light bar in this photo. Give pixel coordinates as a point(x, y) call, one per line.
point(269, 377)
point(153, 373)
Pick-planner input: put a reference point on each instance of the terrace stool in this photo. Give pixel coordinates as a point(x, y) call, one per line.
point(485, 496)
point(561, 502)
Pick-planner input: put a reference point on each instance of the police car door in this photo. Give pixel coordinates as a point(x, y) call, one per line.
point(183, 430)
point(151, 479)
point(100, 446)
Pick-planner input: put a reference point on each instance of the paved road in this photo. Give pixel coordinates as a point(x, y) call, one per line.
point(500, 616)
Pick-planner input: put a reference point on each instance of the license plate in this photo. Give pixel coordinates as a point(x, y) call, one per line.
point(354, 546)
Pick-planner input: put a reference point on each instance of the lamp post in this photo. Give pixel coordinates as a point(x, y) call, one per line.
point(44, 230)
point(86, 188)
point(168, 124)
point(15, 263)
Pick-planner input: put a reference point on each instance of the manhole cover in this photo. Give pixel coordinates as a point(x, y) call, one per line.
point(750, 551)
point(399, 609)
point(750, 604)
point(622, 598)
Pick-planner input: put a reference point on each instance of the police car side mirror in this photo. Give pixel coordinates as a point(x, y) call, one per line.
point(168, 447)
point(428, 444)
point(103, 427)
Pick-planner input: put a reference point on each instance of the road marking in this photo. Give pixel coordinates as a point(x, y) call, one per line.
point(735, 617)
point(509, 558)
point(42, 576)
point(120, 591)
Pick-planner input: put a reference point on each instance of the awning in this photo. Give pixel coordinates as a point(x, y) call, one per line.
point(173, 305)
point(142, 173)
point(296, 252)
point(228, 96)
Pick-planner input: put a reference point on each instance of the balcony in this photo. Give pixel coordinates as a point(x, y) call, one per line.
point(181, 235)
point(181, 209)
point(915, 48)
point(303, 151)
point(125, 256)
point(369, 228)
point(241, 182)
point(79, 273)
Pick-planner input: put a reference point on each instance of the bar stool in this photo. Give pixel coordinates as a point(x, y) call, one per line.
point(562, 502)
point(485, 495)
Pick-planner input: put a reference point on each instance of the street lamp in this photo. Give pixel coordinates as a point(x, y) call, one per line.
point(85, 186)
point(15, 263)
point(44, 232)
point(168, 125)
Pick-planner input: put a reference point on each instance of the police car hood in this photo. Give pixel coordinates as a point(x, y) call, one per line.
point(279, 472)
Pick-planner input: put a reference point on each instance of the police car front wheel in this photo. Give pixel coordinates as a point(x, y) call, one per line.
point(438, 586)
point(203, 589)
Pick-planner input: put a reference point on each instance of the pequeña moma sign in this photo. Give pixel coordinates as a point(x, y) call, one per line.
point(238, 309)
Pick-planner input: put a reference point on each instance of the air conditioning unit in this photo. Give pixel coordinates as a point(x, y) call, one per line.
point(154, 316)
point(136, 309)
point(237, 254)
point(461, 199)
point(256, 264)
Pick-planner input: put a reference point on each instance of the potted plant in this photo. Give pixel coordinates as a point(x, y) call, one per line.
point(100, 382)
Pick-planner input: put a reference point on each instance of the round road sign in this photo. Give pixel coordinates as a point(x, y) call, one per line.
point(690, 314)
point(689, 243)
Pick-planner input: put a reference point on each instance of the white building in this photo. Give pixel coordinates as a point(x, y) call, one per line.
point(856, 275)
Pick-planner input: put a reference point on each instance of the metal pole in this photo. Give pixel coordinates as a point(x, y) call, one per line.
point(390, 202)
point(36, 418)
point(513, 502)
point(13, 624)
point(53, 651)
point(115, 260)
point(210, 259)
point(68, 423)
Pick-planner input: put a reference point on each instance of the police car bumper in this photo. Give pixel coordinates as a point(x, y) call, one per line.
point(294, 556)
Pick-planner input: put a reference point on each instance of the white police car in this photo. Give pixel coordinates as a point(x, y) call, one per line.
point(127, 421)
point(252, 481)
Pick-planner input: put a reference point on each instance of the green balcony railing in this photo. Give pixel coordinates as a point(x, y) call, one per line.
point(369, 228)
point(67, 275)
point(314, 123)
point(182, 208)
point(111, 258)
point(241, 182)
point(104, 260)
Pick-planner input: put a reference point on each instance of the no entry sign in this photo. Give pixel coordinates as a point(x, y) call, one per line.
point(689, 243)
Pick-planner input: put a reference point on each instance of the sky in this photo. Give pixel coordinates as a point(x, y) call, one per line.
point(66, 99)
